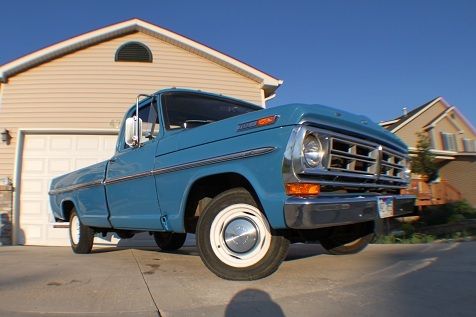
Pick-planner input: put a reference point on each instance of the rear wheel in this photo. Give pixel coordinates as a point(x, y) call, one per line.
point(169, 241)
point(235, 240)
point(80, 236)
point(349, 239)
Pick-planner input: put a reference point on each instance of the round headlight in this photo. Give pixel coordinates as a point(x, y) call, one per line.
point(312, 150)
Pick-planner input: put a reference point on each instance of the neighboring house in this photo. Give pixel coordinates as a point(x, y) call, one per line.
point(61, 106)
point(453, 140)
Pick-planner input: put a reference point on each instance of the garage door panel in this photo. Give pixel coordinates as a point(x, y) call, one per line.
point(34, 166)
point(110, 144)
point(36, 143)
point(34, 232)
point(83, 162)
point(61, 144)
point(84, 143)
point(59, 166)
point(44, 157)
point(32, 186)
point(31, 207)
point(56, 236)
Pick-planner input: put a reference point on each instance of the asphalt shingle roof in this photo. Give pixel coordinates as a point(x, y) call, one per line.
point(410, 114)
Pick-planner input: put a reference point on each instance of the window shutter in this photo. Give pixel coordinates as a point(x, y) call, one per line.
point(469, 145)
point(449, 141)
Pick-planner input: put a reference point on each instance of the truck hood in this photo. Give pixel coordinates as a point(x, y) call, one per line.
point(290, 114)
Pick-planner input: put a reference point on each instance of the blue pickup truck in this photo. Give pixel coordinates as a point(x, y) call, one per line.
point(247, 181)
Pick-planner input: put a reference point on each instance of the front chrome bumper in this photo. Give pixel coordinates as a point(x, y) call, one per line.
point(320, 212)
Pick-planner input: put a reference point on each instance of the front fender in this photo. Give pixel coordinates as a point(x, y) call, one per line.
point(263, 172)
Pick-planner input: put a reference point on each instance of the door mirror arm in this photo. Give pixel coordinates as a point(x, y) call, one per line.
point(133, 126)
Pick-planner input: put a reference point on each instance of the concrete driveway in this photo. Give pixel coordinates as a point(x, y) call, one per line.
point(383, 280)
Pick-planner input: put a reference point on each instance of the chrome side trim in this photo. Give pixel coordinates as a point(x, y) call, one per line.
point(215, 160)
point(170, 169)
point(74, 187)
point(127, 178)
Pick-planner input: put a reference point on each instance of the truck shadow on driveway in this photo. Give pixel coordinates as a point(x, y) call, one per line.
point(300, 251)
point(296, 251)
point(252, 302)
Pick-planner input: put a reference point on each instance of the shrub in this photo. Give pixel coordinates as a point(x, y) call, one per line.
point(424, 161)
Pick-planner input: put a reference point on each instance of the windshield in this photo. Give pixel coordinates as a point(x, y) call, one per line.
point(188, 110)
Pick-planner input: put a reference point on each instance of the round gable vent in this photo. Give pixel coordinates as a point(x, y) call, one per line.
point(133, 52)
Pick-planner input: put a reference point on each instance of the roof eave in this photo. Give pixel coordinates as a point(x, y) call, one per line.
point(268, 82)
point(404, 123)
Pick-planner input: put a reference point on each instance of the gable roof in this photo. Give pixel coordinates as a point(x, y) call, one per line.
point(397, 123)
point(268, 83)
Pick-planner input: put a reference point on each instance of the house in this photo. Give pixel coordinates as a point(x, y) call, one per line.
point(453, 141)
point(61, 106)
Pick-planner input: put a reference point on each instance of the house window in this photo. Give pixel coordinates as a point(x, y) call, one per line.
point(469, 145)
point(449, 141)
point(133, 52)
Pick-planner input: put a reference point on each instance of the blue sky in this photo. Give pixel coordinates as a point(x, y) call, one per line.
point(367, 57)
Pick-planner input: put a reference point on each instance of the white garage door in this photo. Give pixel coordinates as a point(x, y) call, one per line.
point(44, 157)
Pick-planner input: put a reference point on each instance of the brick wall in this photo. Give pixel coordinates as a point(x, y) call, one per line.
point(6, 215)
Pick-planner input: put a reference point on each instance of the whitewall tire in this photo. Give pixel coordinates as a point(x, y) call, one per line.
point(235, 240)
point(81, 237)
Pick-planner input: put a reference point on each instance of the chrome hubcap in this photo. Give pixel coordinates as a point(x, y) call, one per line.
point(241, 235)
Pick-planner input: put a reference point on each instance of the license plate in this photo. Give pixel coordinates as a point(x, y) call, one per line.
point(385, 206)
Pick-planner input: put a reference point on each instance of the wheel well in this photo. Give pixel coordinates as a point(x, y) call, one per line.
point(205, 189)
point(67, 206)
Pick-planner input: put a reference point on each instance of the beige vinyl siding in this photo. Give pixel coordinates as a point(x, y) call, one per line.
point(89, 90)
point(460, 173)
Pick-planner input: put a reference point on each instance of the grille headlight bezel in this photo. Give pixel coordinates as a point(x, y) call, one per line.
point(312, 150)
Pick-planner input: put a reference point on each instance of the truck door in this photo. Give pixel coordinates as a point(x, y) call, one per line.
point(130, 187)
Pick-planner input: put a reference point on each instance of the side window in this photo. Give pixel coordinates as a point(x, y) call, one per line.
point(449, 141)
point(150, 122)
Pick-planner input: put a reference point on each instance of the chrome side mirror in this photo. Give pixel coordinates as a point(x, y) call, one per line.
point(133, 131)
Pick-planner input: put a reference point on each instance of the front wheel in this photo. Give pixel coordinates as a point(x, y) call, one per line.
point(80, 236)
point(235, 240)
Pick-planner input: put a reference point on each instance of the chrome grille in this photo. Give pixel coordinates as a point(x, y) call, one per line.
point(392, 164)
point(356, 160)
point(350, 156)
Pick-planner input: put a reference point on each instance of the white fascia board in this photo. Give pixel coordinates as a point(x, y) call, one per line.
point(442, 152)
point(267, 80)
point(121, 28)
point(418, 113)
point(64, 47)
point(440, 117)
point(468, 123)
point(384, 123)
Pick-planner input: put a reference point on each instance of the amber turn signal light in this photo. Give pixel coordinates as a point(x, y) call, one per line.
point(266, 121)
point(302, 189)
